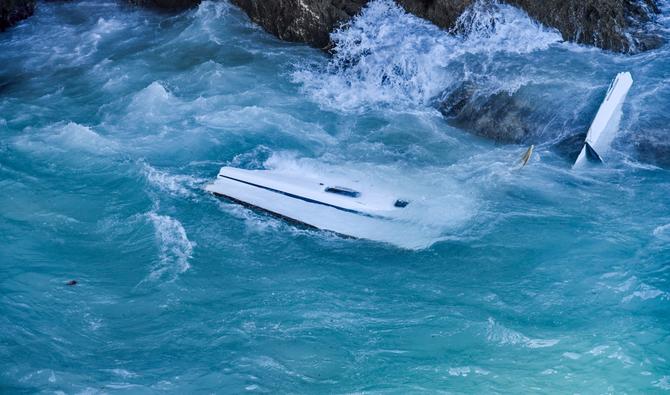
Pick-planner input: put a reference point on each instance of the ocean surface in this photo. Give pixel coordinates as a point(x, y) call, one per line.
point(533, 280)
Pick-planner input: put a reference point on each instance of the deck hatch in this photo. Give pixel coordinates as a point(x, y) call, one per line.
point(343, 191)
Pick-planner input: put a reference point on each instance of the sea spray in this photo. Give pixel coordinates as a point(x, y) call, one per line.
point(387, 57)
point(183, 186)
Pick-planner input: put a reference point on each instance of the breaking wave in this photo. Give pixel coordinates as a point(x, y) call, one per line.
point(70, 137)
point(387, 57)
point(174, 246)
point(176, 185)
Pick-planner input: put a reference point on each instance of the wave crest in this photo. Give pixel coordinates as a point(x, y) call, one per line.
point(175, 247)
point(388, 57)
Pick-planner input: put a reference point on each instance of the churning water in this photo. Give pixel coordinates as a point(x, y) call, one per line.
point(113, 118)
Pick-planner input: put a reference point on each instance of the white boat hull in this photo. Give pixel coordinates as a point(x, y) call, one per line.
point(304, 201)
point(606, 123)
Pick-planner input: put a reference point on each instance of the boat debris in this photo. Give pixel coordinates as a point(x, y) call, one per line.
point(345, 207)
point(526, 156)
point(606, 123)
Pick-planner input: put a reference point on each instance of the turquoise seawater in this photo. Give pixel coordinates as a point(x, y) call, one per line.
point(114, 118)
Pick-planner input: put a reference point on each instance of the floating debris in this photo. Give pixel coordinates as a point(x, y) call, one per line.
point(526, 157)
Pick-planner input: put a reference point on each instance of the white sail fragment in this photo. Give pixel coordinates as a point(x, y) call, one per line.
point(606, 123)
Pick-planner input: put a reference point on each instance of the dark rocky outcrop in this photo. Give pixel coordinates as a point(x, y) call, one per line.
point(12, 11)
point(443, 13)
point(308, 21)
point(519, 117)
point(618, 25)
point(501, 117)
point(524, 117)
point(166, 4)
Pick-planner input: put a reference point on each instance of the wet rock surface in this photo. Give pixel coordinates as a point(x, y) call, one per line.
point(308, 21)
point(13, 11)
point(618, 25)
point(501, 117)
point(443, 13)
point(520, 117)
point(523, 117)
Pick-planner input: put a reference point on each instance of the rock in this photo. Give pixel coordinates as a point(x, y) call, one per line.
point(13, 11)
point(166, 4)
point(618, 25)
point(308, 21)
point(501, 117)
point(523, 116)
point(443, 13)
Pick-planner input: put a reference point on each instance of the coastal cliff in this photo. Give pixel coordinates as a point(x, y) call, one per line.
point(609, 24)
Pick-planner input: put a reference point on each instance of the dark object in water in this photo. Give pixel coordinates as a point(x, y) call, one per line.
point(71, 282)
point(526, 156)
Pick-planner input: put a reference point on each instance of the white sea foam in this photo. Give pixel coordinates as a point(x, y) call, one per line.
point(646, 292)
point(174, 246)
point(571, 355)
point(125, 374)
point(173, 184)
point(490, 26)
point(634, 289)
point(598, 350)
point(84, 138)
point(153, 98)
point(386, 56)
point(662, 232)
point(662, 383)
point(464, 371)
point(207, 16)
point(70, 137)
point(497, 333)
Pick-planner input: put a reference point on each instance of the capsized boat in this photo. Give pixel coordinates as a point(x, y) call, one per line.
point(606, 123)
point(347, 208)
